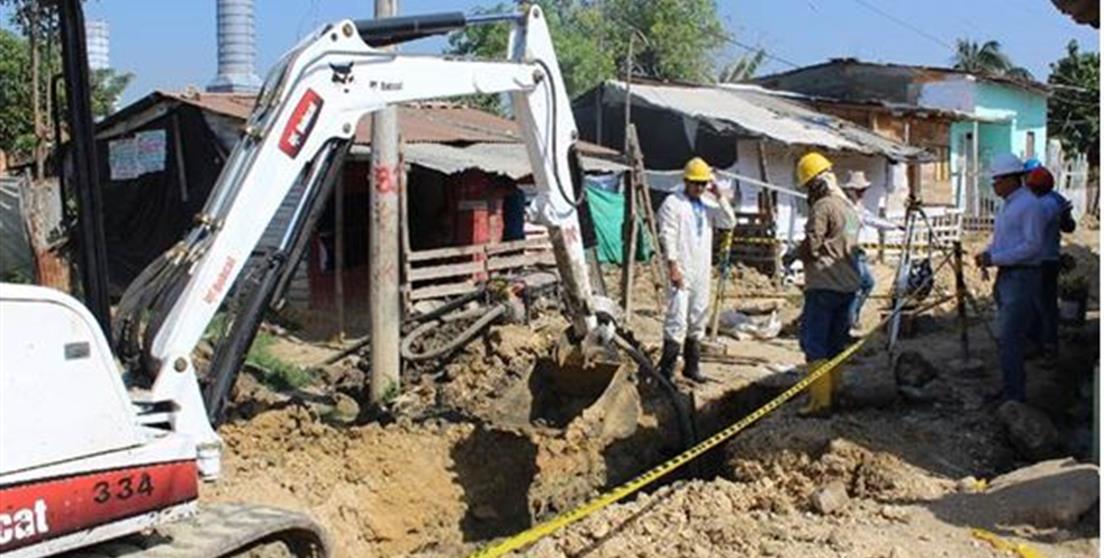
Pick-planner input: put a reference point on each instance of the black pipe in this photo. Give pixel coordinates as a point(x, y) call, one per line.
point(393, 30)
point(85, 179)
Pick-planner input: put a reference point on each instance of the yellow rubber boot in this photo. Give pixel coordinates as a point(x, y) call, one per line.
point(820, 394)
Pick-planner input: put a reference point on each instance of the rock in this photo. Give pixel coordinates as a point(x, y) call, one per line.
point(895, 513)
point(345, 409)
point(1052, 493)
point(866, 387)
point(545, 548)
point(1033, 434)
point(830, 498)
point(913, 369)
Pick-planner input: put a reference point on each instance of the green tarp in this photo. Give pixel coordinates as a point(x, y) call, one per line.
point(607, 210)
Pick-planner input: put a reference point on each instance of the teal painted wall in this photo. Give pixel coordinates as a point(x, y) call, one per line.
point(1026, 109)
point(1023, 112)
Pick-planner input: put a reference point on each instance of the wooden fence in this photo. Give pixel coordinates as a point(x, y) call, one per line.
point(444, 272)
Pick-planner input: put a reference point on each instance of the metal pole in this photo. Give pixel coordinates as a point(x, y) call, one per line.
point(383, 261)
point(86, 182)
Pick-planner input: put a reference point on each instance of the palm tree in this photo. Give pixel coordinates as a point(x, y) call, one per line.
point(743, 68)
point(986, 59)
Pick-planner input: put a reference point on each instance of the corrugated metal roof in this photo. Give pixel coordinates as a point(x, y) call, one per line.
point(508, 159)
point(918, 71)
point(759, 112)
point(230, 104)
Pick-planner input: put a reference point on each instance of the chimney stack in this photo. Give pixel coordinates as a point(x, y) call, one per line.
point(236, 49)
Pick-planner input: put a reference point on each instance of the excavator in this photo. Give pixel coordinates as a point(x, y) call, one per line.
point(103, 445)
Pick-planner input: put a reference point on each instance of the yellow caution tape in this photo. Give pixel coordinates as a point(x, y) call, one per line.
point(541, 530)
point(1021, 549)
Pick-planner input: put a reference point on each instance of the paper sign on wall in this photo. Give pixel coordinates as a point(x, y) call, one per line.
point(132, 157)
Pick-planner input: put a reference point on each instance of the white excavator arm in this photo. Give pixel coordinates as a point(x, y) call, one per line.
point(305, 116)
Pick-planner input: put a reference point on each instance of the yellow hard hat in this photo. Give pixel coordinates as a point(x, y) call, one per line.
point(810, 165)
point(697, 170)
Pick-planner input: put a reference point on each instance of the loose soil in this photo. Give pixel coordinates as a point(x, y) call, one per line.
point(467, 454)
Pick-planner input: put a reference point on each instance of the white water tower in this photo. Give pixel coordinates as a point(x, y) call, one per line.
point(237, 50)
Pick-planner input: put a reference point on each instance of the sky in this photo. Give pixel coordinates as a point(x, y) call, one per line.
point(170, 45)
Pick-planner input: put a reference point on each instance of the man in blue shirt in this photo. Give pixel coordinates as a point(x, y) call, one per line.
point(1016, 251)
point(1058, 216)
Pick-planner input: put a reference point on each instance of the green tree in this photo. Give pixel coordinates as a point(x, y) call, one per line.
point(986, 59)
point(671, 39)
point(106, 88)
point(16, 119)
point(28, 61)
point(1073, 110)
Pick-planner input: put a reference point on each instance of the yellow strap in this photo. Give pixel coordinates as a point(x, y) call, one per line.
point(1021, 549)
point(541, 530)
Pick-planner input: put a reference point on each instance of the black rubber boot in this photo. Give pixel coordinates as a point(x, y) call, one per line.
point(668, 358)
point(691, 356)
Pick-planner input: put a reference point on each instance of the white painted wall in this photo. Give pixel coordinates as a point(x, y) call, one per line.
point(954, 93)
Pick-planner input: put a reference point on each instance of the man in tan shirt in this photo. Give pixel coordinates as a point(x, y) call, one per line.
point(831, 278)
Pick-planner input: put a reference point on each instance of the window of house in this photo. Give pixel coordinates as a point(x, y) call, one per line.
point(1030, 149)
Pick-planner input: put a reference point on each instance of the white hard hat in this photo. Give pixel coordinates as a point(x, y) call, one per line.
point(1005, 164)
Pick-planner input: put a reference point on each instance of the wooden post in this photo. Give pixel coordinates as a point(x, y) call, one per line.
point(768, 210)
point(628, 243)
point(960, 295)
point(659, 270)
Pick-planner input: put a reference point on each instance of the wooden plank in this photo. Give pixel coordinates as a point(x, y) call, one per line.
point(438, 291)
point(450, 252)
point(448, 270)
point(516, 245)
point(524, 260)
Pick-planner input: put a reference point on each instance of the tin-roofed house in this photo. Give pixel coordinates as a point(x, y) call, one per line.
point(467, 173)
point(990, 114)
point(751, 132)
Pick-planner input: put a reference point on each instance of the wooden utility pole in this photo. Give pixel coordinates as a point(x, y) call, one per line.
point(383, 262)
point(628, 226)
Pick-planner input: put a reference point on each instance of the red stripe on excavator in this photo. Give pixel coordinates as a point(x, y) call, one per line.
point(37, 511)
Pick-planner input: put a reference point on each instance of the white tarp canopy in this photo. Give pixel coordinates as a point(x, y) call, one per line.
point(756, 111)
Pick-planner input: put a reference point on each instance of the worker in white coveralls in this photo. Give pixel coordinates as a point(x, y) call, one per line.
point(686, 222)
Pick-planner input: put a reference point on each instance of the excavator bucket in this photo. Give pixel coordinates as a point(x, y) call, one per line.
point(599, 380)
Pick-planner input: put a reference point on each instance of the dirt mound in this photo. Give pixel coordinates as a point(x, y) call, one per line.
point(379, 490)
point(780, 465)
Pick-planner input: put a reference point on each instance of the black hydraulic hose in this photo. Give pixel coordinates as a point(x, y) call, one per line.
point(447, 307)
point(459, 341)
point(687, 431)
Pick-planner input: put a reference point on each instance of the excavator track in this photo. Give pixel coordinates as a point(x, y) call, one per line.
point(223, 530)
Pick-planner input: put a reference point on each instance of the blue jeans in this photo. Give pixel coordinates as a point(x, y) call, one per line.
point(825, 322)
point(866, 284)
point(1017, 294)
point(1046, 332)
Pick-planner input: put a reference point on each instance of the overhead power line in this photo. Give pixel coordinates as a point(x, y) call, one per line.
point(905, 24)
point(765, 52)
